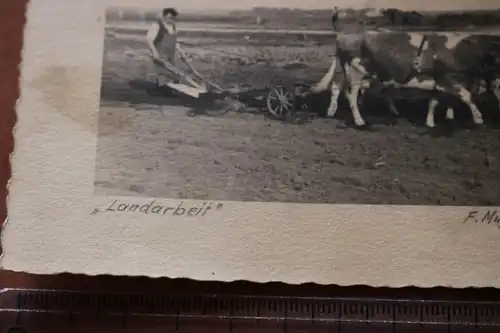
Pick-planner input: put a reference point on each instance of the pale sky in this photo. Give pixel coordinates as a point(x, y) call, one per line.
point(312, 4)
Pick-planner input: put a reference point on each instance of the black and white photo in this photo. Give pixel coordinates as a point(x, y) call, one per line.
point(331, 105)
point(301, 142)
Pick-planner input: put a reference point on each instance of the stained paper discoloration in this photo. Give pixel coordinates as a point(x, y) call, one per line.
point(272, 200)
point(63, 90)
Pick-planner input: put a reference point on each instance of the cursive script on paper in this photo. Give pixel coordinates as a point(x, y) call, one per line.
point(157, 208)
point(489, 216)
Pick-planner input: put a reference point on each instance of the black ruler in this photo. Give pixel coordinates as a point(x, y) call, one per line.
point(32, 311)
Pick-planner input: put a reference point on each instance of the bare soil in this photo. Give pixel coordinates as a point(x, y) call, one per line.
point(150, 146)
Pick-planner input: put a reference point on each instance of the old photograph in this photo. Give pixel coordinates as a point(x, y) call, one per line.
point(302, 141)
point(332, 105)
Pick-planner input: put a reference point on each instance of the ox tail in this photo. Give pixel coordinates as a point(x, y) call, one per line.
point(324, 83)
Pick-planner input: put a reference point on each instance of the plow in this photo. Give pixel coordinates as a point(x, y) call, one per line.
point(280, 100)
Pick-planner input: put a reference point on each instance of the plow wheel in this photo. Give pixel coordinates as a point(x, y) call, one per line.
point(280, 101)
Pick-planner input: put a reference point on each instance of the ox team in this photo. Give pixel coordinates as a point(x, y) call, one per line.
point(433, 64)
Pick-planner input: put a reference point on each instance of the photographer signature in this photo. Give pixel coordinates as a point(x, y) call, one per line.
point(491, 216)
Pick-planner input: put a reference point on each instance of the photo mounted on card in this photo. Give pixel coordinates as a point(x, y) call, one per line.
point(335, 142)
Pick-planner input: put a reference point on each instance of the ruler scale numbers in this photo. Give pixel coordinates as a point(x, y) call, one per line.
point(37, 311)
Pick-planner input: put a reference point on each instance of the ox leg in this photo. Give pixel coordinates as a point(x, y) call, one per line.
point(466, 97)
point(335, 94)
point(392, 106)
point(352, 97)
point(495, 86)
point(322, 85)
point(431, 113)
point(355, 74)
point(450, 114)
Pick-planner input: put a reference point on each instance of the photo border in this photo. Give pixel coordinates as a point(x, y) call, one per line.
point(51, 229)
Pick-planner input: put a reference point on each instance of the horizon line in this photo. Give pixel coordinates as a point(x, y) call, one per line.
point(229, 10)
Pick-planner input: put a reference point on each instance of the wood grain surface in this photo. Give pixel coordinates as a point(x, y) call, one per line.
point(11, 26)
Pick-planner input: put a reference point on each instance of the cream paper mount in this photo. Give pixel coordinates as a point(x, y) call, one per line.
point(114, 175)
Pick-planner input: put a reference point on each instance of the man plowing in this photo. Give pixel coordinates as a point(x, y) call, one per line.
point(163, 45)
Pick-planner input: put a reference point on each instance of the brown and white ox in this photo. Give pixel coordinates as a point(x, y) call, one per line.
point(431, 65)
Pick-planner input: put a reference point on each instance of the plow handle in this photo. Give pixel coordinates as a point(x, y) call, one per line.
point(177, 71)
point(196, 73)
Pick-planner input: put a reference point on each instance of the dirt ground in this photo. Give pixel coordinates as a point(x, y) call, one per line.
point(149, 146)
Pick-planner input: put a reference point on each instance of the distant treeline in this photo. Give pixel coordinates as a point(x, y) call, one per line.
point(131, 14)
point(317, 19)
point(443, 20)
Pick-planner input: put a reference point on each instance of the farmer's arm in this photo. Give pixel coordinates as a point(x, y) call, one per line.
point(151, 36)
point(181, 52)
point(182, 55)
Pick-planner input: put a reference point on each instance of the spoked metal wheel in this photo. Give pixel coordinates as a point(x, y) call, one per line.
point(280, 101)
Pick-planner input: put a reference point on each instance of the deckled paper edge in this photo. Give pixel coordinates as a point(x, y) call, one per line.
point(40, 269)
point(15, 127)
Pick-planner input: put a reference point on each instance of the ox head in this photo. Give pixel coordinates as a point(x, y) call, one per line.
point(354, 20)
point(437, 41)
